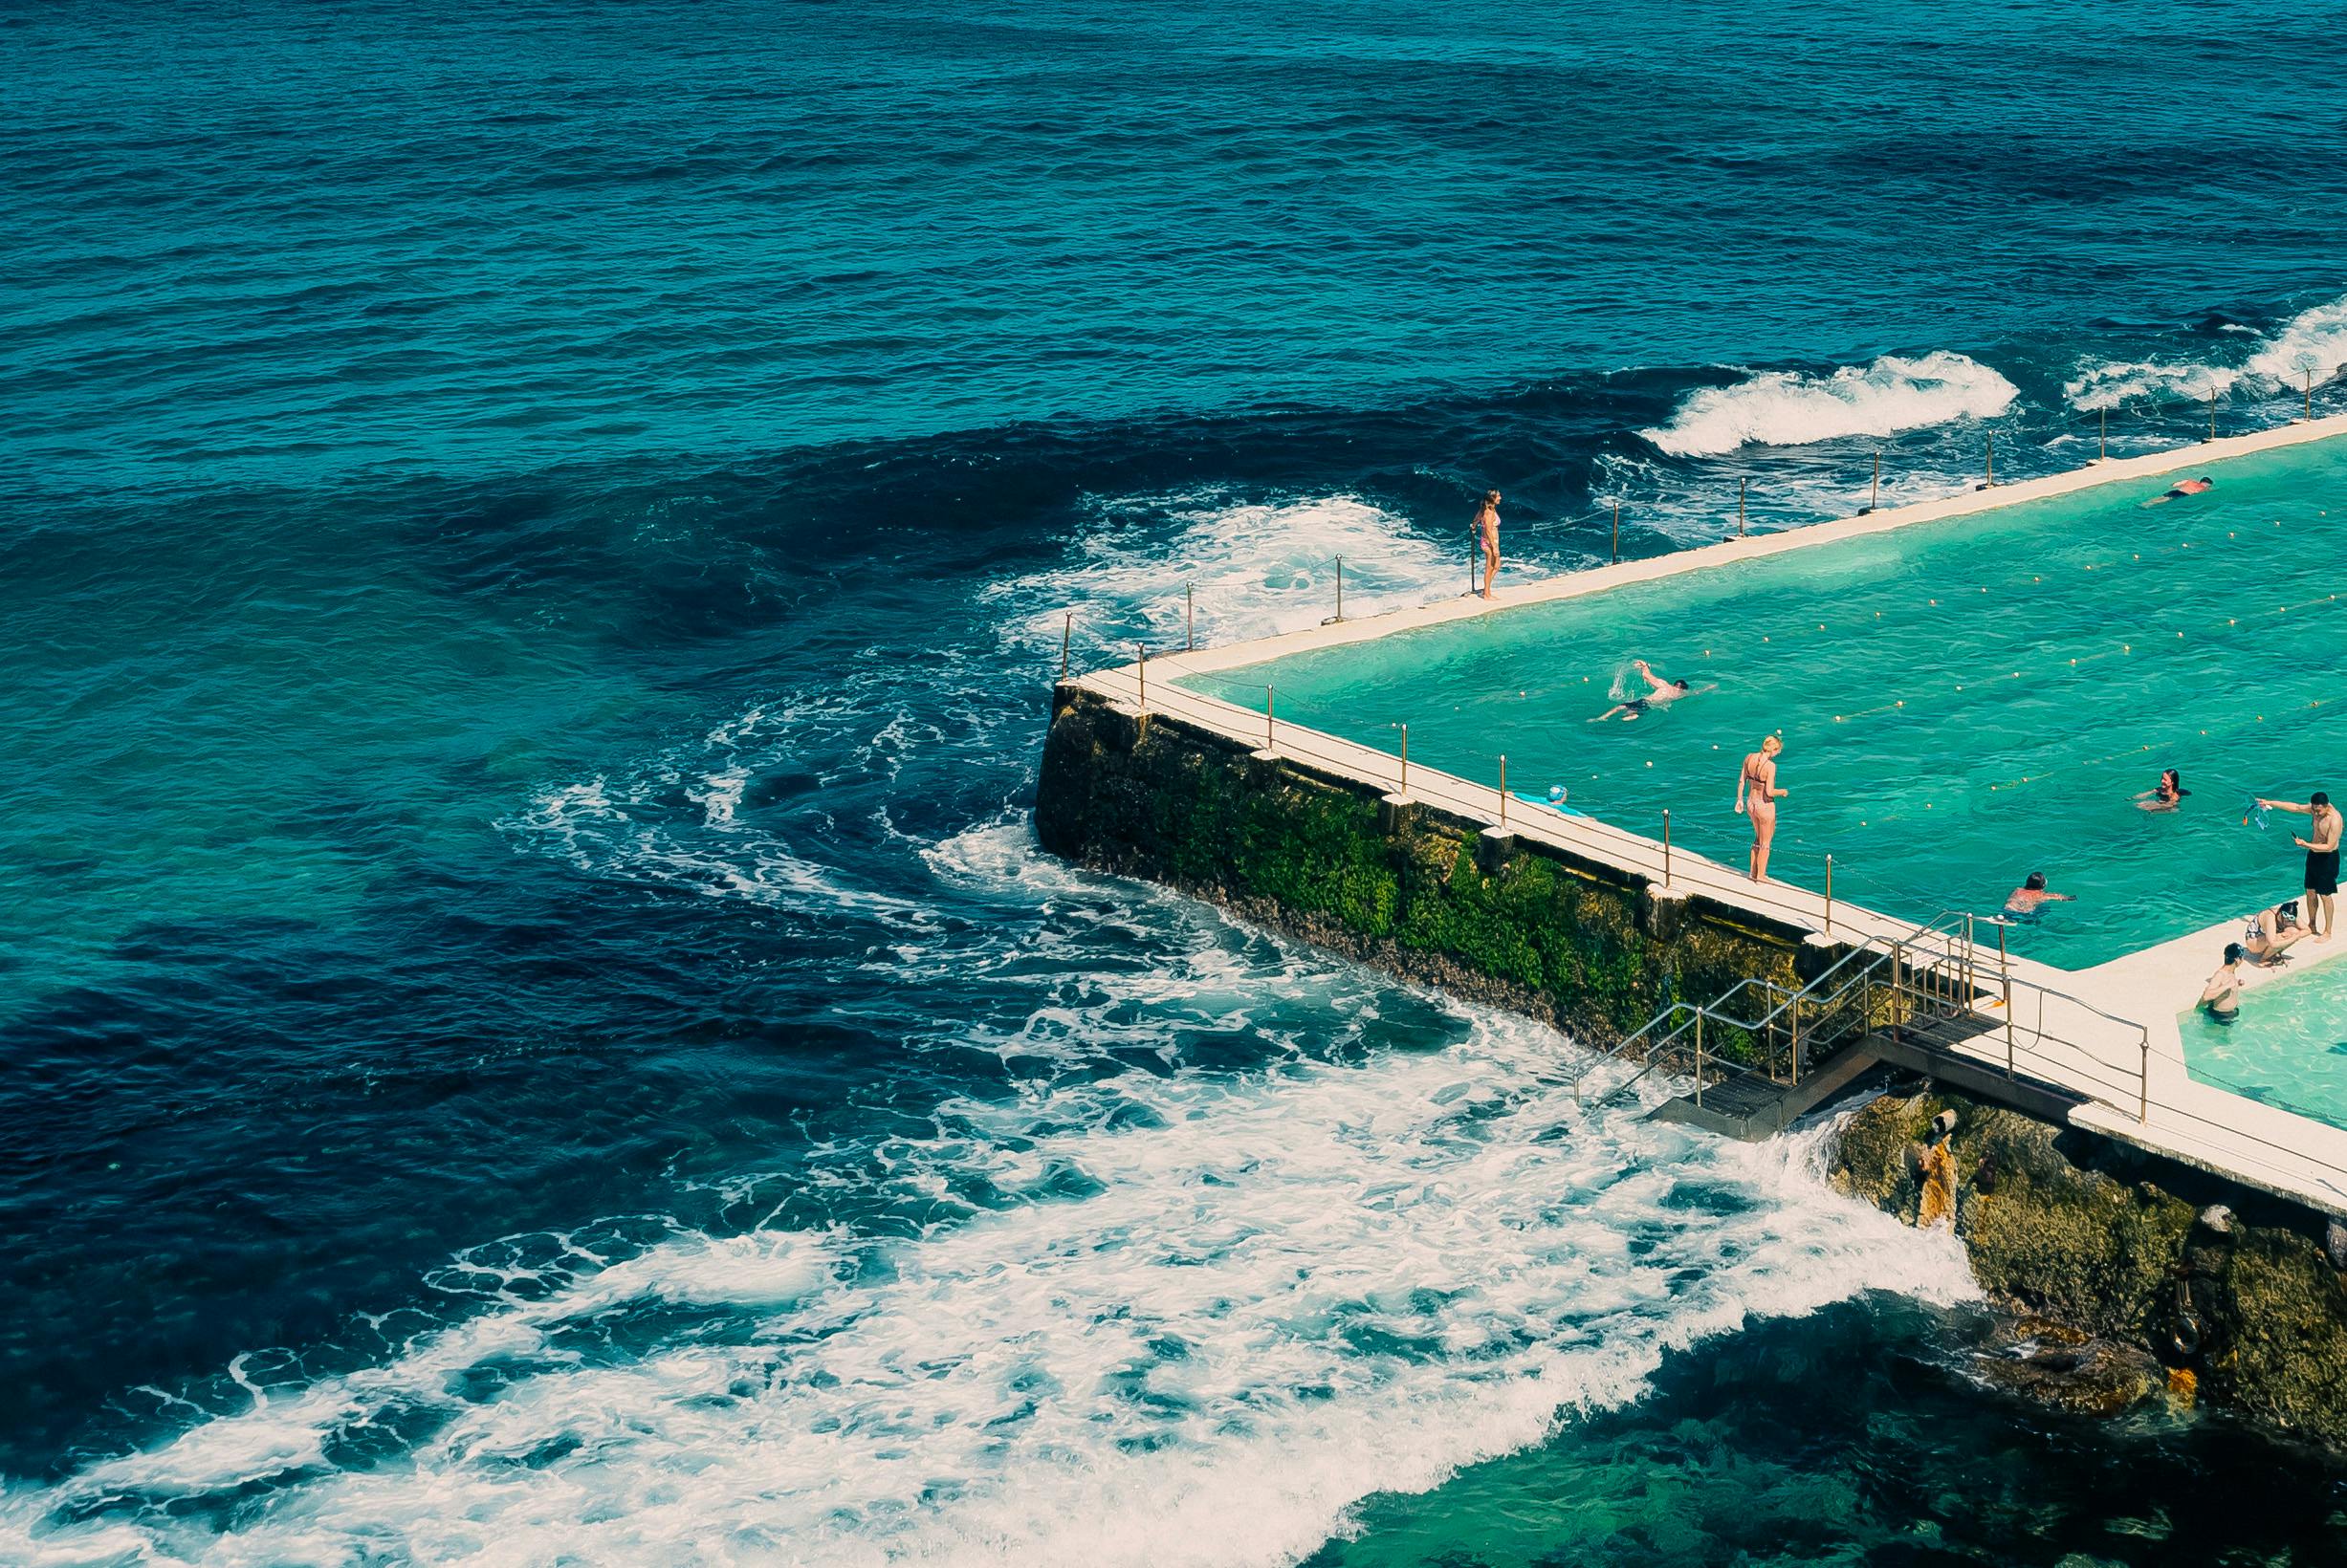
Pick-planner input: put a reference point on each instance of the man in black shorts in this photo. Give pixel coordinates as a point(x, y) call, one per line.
point(2321, 846)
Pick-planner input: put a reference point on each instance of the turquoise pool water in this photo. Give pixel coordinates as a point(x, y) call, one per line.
point(2288, 1048)
point(1962, 703)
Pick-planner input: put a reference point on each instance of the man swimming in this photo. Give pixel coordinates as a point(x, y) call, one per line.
point(2321, 860)
point(1660, 693)
point(2032, 896)
point(2181, 489)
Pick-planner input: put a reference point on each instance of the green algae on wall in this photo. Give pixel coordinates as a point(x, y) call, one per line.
point(2254, 1312)
point(1415, 890)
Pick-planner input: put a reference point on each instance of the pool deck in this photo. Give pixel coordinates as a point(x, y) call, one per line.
point(2109, 1033)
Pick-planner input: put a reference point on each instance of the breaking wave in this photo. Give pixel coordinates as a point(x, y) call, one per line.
point(1786, 408)
point(2311, 346)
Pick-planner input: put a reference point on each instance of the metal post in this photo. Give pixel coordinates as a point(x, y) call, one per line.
point(1067, 633)
point(2212, 413)
point(1503, 789)
point(1829, 895)
point(1618, 506)
point(1796, 1044)
point(2310, 397)
point(1405, 785)
point(1666, 846)
point(1190, 618)
point(1340, 587)
point(1268, 694)
point(1740, 485)
point(1874, 496)
point(1992, 463)
point(2004, 967)
point(2143, 1102)
point(2102, 443)
point(1143, 668)
point(1698, 1059)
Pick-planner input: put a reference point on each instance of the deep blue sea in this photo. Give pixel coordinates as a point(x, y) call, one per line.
point(534, 541)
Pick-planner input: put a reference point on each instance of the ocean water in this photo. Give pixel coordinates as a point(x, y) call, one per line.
point(1962, 702)
point(534, 543)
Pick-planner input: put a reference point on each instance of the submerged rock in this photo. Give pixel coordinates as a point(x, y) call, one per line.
point(2124, 1287)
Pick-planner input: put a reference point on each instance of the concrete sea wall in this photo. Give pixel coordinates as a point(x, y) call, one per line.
point(1425, 894)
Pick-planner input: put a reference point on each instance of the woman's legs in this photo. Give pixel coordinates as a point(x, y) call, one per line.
point(1764, 830)
point(1491, 563)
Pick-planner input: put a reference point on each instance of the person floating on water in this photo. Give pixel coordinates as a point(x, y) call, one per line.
point(2181, 489)
point(2271, 933)
point(1660, 693)
point(2221, 995)
point(2033, 894)
point(1486, 526)
point(2321, 860)
point(2169, 793)
point(1757, 796)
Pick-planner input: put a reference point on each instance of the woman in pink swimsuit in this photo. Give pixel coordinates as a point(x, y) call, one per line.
point(1756, 796)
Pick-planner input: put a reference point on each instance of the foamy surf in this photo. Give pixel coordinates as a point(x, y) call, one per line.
point(1226, 1310)
point(1786, 408)
point(2311, 347)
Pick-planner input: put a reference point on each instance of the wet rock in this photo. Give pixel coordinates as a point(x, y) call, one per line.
point(2057, 1365)
point(2334, 1242)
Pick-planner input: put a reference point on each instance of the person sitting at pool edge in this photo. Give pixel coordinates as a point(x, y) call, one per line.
point(2221, 995)
point(2031, 894)
point(2184, 488)
point(2167, 797)
point(2271, 933)
point(1660, 693)
point(2321, 860)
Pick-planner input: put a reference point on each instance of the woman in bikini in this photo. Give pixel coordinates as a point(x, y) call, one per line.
point(1756, 796)
point(1486, 526)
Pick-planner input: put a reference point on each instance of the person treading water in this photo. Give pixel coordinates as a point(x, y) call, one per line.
point(2181, 489)
point(1660, 693)
point(2167, 796)
point(2033, 894)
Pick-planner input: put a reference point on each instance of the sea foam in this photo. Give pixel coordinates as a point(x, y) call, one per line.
point(1786, 408)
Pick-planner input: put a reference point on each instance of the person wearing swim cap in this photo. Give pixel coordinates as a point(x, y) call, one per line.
point(2321, 846)
point(1660, 693)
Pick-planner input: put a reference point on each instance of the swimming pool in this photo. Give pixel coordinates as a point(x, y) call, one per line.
point(1962, 702)
point(2287, 1047)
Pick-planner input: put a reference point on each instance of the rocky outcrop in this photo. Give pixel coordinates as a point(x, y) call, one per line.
point(2120, 1286)
point(1422, 893)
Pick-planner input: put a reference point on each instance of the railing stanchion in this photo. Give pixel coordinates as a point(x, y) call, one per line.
point(1666, 846)
point(2212, 413)
point(1698, 1059)
point(1740, 485)
point(1796, 1040)
point(1267, 696)
point(1190, 618)
point(2004, 967)
point(1404, 789)
point(1502, 789)
point(2102, 443)
point(1141, 670)
point(1874, 496)
point(1340, 588)
point(1829, 895)
point(1618, 506)
point(1992, 464)
point(1068, 635)
point(2310, 397)
point(2143, 1102)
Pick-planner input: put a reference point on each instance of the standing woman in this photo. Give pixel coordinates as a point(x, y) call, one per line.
point(1756, 796)
point(1486, 526)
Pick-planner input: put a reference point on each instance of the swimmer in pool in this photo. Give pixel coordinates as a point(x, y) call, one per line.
point(2271, 933)
point(2032, 896)
point(2221, 995)
point(1660, 693)
point(2167, 797)
point(2181, 489)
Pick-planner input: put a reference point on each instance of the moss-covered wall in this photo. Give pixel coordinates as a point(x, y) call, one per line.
point(2090, 1234)
point(1579, 943)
